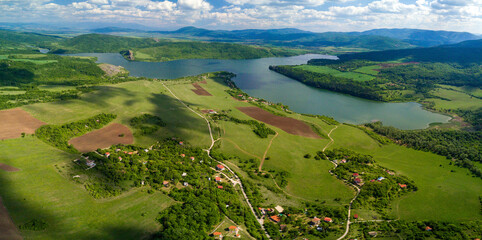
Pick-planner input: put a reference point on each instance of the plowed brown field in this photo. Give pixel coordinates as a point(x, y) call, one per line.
point(103, 138)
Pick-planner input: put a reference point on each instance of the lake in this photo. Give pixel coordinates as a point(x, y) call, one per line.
point(254, 77)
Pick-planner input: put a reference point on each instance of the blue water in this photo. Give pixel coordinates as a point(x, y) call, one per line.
point(254, 77)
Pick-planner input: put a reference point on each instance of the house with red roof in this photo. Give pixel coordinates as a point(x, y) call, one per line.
point(427, 228)
point(217, 179)
point(192, 158)
point(220, 187)
point(107, 154)
point(315, 221)
point(165, 183)
point(275, 218)
point(220, 167)
point(233, 229)
point(327, 219)
point(402, 185)
point(356, 174)
point(183, 155)
point(218, 235)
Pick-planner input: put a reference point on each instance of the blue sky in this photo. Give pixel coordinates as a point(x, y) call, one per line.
point(313, 15)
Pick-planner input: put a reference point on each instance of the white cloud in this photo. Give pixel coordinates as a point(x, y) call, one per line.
point(316, 15)
point(82, 5)
point(195, 4)
point(99, 1)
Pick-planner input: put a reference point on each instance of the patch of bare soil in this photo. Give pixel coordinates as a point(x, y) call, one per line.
point(8, 230)
point(14, 122)
point(289, 125)
point(8, 168)
point(111, 70)
point(200, 90)
point(103, 138)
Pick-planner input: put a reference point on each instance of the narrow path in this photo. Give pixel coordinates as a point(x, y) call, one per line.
point(260, 220)
point(349, 206)
point(331, 139)
point(266, 152)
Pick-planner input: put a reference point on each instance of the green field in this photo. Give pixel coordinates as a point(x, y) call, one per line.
point(33, 58)
point(458, 100)
point(41, 191)
point(327, 70)
point(287, 150)
point(128, 100)
point(441, 195)
point(370, 70)
point(69, 209)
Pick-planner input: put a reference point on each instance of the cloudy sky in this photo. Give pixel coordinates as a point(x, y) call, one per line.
point(313, 15)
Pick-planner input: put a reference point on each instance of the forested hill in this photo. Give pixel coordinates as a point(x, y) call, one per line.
point(463, 53)
point(13, 39)
point(420, 37)
point(150, 49)
point(290, 37)
point(101, 43)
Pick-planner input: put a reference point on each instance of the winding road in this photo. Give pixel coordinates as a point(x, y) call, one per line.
point(238, 180)
point(354, 186)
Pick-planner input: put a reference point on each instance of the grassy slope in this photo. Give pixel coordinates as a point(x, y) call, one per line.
point(286, 152)
point(39, 191)
point(458, 100)
point(309, 178)
point(128, 100)
point(327, 70)
point(442, 195)
point(195, 50)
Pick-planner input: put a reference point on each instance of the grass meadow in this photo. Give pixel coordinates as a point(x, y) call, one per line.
point(41, 191)
point(445, 192)
point(458, 100)
point(327, 70)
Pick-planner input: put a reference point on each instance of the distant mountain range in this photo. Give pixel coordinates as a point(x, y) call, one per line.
point(376, 39)
point(423, 38)
point(386, 38)
point(467, 52)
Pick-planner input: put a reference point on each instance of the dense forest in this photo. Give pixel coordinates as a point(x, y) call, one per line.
point(149, 49)
point(418, 229)
point(447, 54)
point(464, 147)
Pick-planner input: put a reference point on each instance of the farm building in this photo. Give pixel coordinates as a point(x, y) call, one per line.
point(233, 229)
point(90, 163)
point(279, 209)
point(218, 235)
point(275, 219)
point(315, 221)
